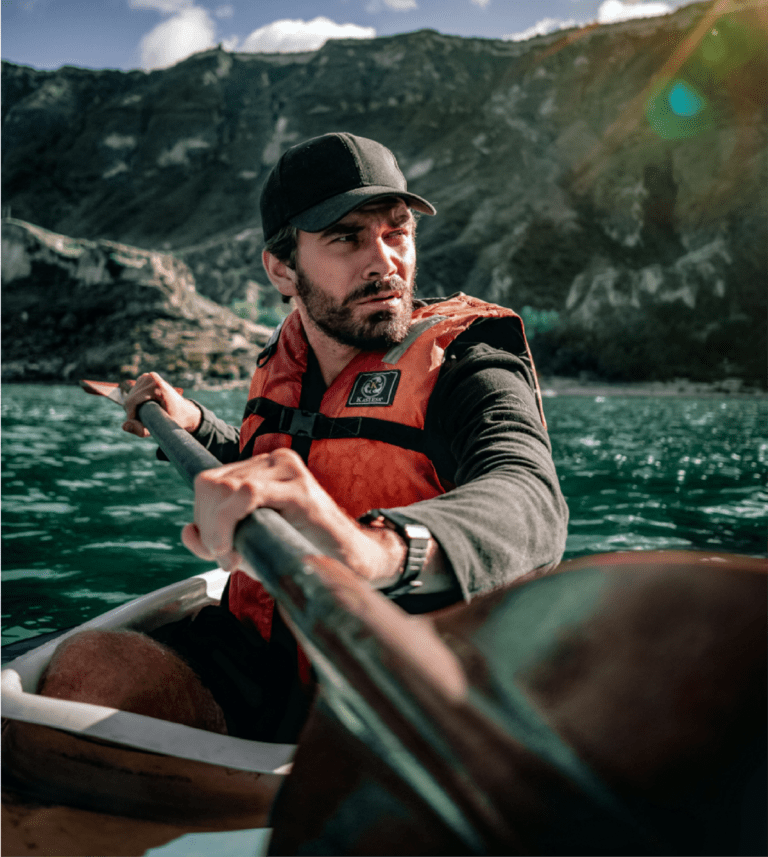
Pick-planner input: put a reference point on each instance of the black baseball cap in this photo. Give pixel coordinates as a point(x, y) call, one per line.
point(317, 182)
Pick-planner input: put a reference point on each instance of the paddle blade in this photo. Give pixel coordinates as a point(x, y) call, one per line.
point(617, 706)
point(104, 388)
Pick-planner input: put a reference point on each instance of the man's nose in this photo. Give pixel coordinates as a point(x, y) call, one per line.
point(382, 260)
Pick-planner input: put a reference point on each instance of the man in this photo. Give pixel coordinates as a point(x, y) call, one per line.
point(404, 438)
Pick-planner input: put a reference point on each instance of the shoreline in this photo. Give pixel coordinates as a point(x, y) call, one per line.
point(731, 388)
point(551, 386)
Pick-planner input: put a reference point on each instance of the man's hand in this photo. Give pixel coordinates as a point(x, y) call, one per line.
point(151, 387)
point(280, 480)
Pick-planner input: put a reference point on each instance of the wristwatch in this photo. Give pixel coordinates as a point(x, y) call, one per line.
point(416, 537)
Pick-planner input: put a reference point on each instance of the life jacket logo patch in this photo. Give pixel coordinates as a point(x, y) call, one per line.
point(374, 389)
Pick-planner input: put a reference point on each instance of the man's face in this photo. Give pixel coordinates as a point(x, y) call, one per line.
point(356, 278)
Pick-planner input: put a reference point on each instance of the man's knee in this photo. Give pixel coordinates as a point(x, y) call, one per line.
point(132, 672)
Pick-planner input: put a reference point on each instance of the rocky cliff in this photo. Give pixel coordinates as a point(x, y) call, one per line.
point(77, 309)
point(607, 182)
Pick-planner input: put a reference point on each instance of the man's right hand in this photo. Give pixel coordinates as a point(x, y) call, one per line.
point(151, 387)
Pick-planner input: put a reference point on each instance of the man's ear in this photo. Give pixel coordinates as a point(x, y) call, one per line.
point(280, 275)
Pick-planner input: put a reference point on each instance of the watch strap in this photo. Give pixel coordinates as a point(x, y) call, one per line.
point(416, 537)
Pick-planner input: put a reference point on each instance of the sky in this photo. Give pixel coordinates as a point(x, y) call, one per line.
point(148, 34)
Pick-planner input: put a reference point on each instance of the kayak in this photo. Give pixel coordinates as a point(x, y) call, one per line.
point(108, 761)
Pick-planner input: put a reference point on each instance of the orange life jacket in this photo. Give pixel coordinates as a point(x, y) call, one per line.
point(368, 441)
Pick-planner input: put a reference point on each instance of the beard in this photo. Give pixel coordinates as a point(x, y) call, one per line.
point(377, 331)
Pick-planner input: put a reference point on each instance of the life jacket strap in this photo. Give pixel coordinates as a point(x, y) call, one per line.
point(281, 419)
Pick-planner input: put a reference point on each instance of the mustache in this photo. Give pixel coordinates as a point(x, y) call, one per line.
point(375, 287)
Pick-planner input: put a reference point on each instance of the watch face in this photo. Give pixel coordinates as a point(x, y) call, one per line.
point(417, 531)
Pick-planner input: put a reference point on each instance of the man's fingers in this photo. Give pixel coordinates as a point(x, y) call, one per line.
point(151, 387)
point(221, 502)
point(135, 427)
point(284, 463)
point(229, 560)
point(147, 387)
point(190, 538)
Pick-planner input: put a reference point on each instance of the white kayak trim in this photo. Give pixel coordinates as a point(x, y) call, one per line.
point(20, 702)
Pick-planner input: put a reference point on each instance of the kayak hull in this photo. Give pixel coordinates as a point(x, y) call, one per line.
point(55, 767)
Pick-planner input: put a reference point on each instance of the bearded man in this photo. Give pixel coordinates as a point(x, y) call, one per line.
point(403, 437)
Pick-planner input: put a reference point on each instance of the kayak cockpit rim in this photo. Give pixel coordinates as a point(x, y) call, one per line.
point(168, 604)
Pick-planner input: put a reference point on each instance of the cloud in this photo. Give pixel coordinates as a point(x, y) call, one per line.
point(542, 28)
point(288, 36)
point(611, 11)
point(483, 4)
point(188, 30)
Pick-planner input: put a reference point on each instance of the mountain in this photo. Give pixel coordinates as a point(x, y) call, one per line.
point(607, 182)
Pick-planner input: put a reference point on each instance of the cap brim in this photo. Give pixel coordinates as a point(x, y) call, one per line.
point(326, 213)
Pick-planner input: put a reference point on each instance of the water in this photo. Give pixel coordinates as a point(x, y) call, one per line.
point(662, 472)
point(92, 519)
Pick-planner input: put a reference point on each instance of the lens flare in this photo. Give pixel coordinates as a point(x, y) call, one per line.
point(684, 101)
point(713, 76)
point(675, 110)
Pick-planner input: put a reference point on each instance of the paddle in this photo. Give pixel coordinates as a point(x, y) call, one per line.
point(349, 630)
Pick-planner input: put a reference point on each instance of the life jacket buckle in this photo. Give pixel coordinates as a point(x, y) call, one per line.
point(298, 423)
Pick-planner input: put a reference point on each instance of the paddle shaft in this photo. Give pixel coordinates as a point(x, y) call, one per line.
point(351, 633)
point(266, 536)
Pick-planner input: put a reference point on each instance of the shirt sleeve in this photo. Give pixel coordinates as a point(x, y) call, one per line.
point(218, 437)
point(506, 516)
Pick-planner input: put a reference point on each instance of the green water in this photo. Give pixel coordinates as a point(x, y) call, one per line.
point(92, 519)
